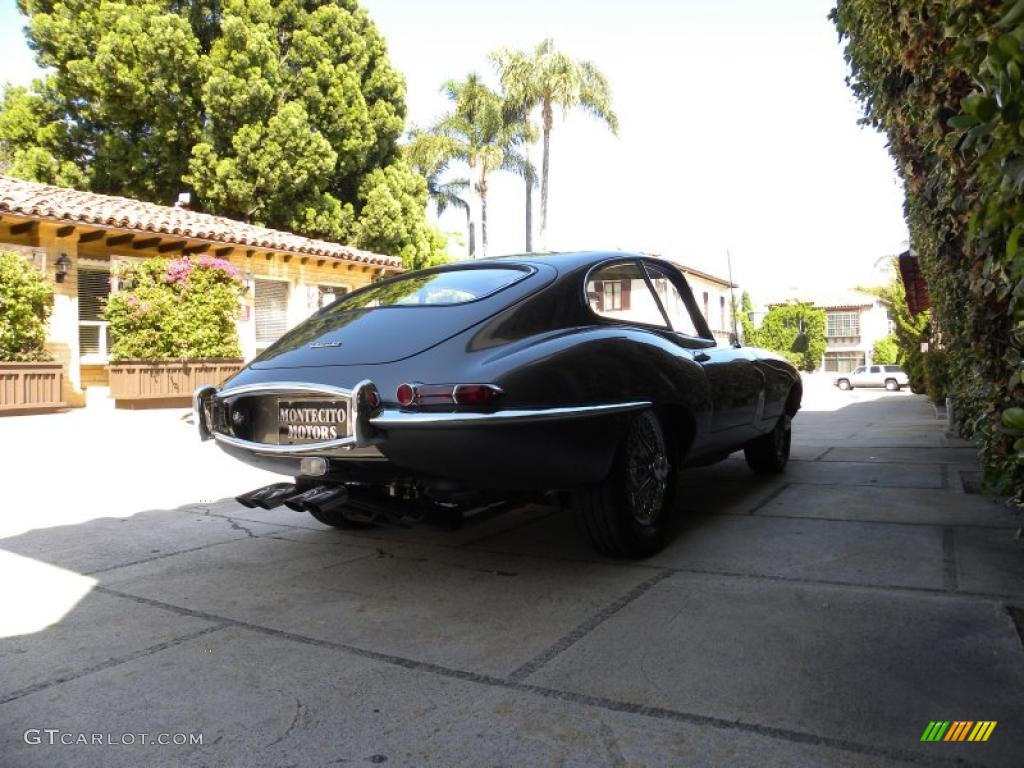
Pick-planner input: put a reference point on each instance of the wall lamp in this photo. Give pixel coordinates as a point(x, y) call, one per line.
point(63, 265)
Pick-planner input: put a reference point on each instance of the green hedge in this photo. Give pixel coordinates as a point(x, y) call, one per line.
point(943, 82)
point(26, 300)
point(936, 375)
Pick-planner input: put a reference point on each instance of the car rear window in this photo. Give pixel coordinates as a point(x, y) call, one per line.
point(457, 286)
point(893, 369)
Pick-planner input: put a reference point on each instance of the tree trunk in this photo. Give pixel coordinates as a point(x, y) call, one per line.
point(483, 218)
point(529, 211)
point(547, 116)
point(471, 228)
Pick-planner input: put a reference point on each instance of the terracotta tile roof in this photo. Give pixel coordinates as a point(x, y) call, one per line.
point(26, 198)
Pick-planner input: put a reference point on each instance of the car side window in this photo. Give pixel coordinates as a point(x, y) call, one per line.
point(876, 369)
point(893, 369)
point(620, 292)
point(859, 370)
point(672, 301)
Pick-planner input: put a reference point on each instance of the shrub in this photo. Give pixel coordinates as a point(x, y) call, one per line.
point(781, 332)
point(885, 351)
point(26, 300)
point(175, 309)
point(936, 375)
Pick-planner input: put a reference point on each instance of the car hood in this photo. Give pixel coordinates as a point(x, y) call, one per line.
point(386, 334)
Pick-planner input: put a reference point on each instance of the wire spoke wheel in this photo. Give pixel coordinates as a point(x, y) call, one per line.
point(647, 469)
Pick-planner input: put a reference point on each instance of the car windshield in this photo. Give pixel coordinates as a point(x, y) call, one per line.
point(456, 286)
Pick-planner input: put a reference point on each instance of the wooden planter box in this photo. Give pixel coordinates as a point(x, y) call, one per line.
point(31, 387)
point(165, 383)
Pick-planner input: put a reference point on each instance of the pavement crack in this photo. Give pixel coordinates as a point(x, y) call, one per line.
point(582, 630)
point(291, 726)
point(237, 526)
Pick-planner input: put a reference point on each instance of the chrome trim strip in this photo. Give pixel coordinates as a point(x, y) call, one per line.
point(288, 387)
point(391, 419)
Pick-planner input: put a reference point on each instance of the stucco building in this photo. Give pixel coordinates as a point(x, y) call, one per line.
point(77, 237)
point(714, 298)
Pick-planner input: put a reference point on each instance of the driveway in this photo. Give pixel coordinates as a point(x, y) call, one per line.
point(822, 618)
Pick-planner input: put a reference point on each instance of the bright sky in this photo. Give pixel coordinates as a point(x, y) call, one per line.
point(737, 131)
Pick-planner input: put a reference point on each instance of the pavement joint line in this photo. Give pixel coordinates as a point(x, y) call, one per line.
point(113, 662)
point(950, 580)
point(768, 499)
point(585, 628)
point(161, 556)
point(164, 555)
point(821, 455)
point(898, 588)
point(598, 702)
point(1009, 525)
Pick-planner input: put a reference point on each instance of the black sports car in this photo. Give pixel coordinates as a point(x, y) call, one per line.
point(589, 376)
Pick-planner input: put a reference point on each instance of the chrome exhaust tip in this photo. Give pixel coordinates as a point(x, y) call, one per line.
point(318, 499)
point(267, 497)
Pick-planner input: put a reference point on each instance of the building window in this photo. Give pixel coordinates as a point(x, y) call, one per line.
point(328, 294)
point(843, 325)
point(843, 362)
point(707, 312)
point(93, 330)
point(611, 295)
point(721, 310)
point(271, 311)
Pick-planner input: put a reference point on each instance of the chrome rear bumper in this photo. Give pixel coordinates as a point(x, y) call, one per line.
point(369, 424)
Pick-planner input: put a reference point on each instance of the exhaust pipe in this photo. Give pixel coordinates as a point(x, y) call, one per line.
point(323, 498)
point(268, 497)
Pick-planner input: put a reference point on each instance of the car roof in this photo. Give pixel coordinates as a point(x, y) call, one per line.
point(566, 261)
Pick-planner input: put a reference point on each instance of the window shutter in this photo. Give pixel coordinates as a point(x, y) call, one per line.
point(271, 310)
point(93, 290)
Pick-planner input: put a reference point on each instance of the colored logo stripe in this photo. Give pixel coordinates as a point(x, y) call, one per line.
point(958, 730)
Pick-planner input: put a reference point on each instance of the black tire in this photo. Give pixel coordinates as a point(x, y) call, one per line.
point(629, 513)
point(844, 384)
point(335, 519)
point(892, 385)
point(769, 454)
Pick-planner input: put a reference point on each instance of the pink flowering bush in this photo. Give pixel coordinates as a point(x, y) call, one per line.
point(168, 309)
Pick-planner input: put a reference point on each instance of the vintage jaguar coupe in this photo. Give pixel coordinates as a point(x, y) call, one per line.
point(591, 378)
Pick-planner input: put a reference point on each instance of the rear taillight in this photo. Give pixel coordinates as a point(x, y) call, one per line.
point(476, 394)
point(406, 394)
point(448, 394)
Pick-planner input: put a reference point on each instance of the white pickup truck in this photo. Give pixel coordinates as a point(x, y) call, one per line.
point(891, 377)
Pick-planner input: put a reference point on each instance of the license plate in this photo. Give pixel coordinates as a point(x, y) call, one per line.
point(312, 421)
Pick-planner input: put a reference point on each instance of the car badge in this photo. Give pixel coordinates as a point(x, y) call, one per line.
point(324, 344)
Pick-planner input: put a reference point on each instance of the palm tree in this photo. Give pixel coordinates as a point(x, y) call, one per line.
point(428, 154)
point(548, 78)
point(479, 132)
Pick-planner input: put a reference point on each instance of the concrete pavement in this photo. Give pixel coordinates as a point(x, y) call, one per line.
point(821, 618)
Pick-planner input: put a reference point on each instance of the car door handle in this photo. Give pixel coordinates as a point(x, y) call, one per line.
point(701, 357)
